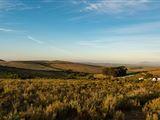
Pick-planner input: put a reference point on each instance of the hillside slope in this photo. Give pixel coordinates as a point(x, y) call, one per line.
point(34, 65)
point(53, 65)
point(21, 73)
point(78, 67)
point(1, 60)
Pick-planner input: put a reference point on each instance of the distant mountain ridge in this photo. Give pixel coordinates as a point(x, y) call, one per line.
point(145, 64)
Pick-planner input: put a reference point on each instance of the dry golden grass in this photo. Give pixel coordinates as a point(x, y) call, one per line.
point(153, 109)
point(152, 70)
point(74, 99)
point(77, 67)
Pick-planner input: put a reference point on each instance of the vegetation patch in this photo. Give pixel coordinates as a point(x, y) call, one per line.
point(78, 99)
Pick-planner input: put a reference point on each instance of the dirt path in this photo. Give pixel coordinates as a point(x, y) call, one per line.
point(135, 115)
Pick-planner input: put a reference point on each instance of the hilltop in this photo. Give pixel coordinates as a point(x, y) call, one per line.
point(2, 60)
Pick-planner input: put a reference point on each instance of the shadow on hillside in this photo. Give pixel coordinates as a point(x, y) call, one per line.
point(133, 73)
point(12, 72)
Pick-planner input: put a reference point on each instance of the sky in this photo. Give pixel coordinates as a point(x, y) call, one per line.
point(126, 31)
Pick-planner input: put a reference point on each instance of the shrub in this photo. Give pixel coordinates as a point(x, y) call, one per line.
point(153, 109)
point(115, 71)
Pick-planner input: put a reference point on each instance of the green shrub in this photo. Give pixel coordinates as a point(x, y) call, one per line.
point(115, 71)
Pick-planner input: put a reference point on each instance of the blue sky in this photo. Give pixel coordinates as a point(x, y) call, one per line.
point(126, 31)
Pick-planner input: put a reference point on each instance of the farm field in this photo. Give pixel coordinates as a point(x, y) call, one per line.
point(53, 99)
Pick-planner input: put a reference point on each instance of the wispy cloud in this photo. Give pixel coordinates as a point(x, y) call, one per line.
point(8, 5)
point(79, 2)
point(49, 45)
point(6, 30)
point(141, 28)
point(126, 42)
point(132, 34)
point(34, 40)
point(12, 31)
point(115, 6)
point(92, 43)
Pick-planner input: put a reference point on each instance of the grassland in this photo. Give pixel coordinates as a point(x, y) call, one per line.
point(14, 73)
point(60, 90)
point(76, 67)
point(79, 99)
point(53, 65)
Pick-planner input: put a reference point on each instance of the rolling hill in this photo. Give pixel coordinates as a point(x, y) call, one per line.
point(53, 66)
point(75, 67)
point(1, 61)
point(78, 67)
point(21, 73)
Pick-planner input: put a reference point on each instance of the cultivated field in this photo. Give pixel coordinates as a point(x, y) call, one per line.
point(115, 99)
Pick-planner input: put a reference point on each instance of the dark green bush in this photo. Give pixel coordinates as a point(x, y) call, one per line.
point(115, 71)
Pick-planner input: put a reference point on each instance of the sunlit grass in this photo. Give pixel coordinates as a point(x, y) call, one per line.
point(75, 99)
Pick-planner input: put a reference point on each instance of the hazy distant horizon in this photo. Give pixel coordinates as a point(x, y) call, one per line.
point(143, 63)
point(80, 30)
